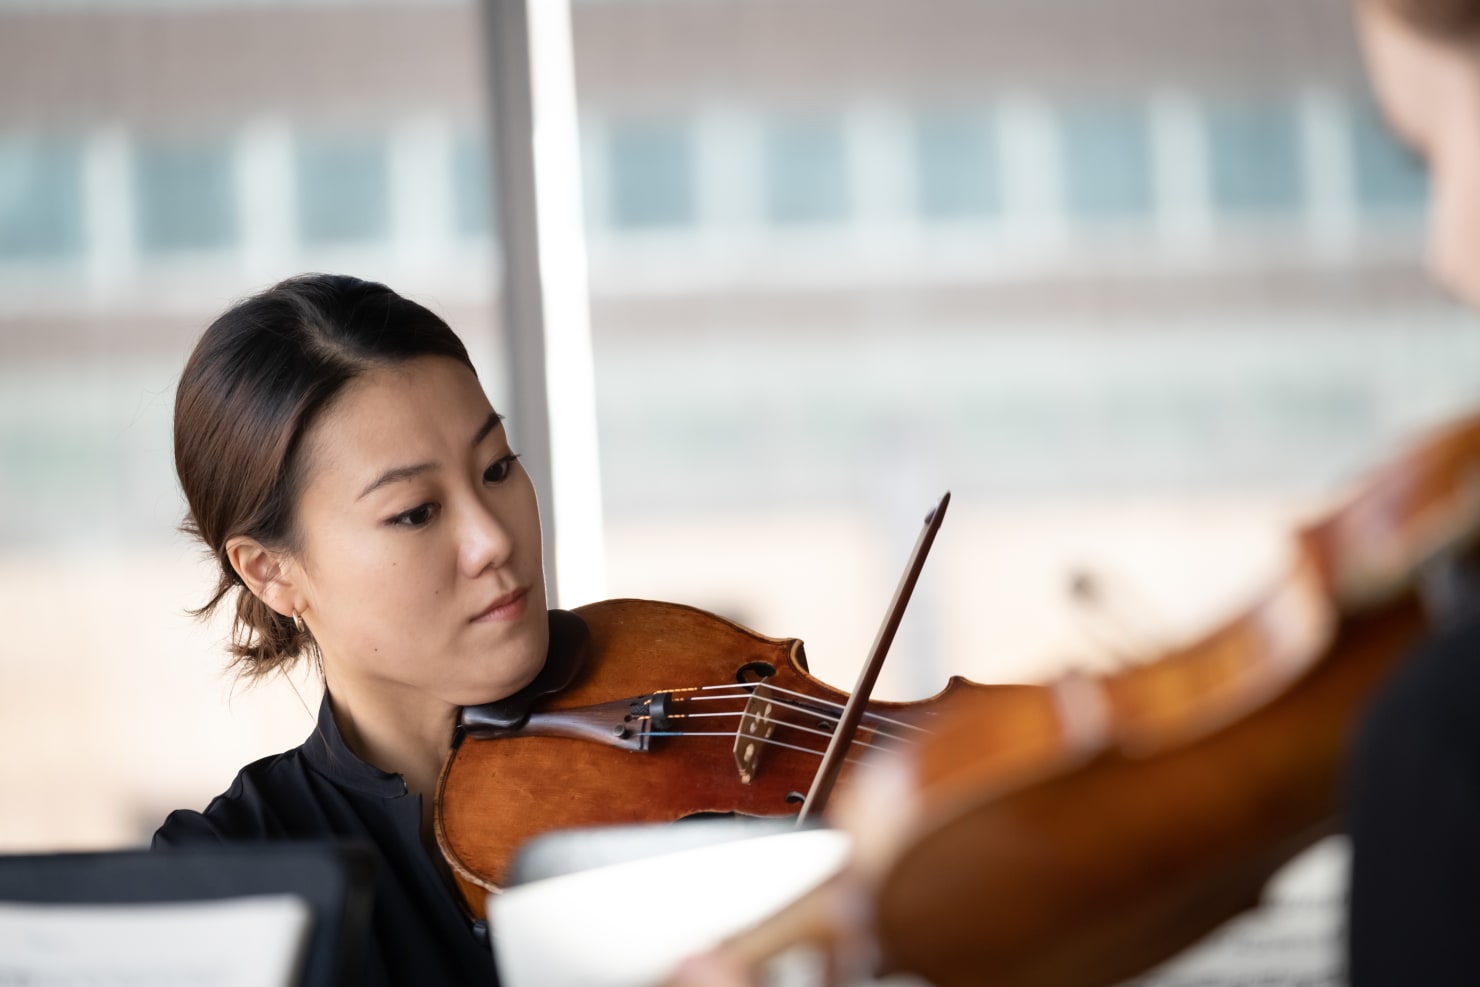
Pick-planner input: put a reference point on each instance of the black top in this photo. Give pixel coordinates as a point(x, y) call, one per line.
point(1415, 821)
point(418, 932)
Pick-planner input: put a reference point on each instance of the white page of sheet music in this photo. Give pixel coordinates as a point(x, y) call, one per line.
point(629, 924)
point(255, 941)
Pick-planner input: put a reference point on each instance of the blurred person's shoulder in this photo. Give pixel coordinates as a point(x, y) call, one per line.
point(1432, 698)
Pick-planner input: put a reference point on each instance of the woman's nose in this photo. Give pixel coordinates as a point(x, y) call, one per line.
point(486, 541)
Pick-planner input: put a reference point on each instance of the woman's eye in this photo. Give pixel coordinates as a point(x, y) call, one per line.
point(416, 517)
point(498, 471)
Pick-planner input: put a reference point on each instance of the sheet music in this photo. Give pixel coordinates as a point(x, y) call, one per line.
point(256, 941)
point(570, 931)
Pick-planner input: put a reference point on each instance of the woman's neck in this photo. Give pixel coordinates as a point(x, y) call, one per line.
point(410, 739)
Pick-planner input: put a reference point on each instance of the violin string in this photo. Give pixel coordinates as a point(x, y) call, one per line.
point(759, 740)
point(783, 723)
point(752, 686)
point(739, 690)
point(785, 707)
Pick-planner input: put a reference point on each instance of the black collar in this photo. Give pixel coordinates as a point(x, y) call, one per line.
point(328, 754)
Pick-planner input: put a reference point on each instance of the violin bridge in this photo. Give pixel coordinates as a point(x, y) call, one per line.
point(756, 727)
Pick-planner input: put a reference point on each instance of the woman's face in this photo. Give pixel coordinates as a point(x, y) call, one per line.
point(419, 566)
point(1430, 92)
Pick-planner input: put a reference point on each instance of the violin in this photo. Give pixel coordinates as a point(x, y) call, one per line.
point(651, 712)
point(1175, 789)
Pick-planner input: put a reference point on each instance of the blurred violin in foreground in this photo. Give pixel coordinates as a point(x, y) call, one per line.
point(1084, 833)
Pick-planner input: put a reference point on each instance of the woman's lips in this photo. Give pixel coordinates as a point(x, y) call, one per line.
point(510, 606)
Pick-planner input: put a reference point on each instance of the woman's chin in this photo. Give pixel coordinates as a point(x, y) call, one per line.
point(512, 677)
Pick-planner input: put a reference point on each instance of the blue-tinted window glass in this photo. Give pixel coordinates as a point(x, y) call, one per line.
point(185, 195)
point(806, 171)
point(1107, 162)
point(956, 167)
point(1254, 157)
point(343, 189)
point(472, 185)
point(1387, 175)
point(652, 175)
point(40, 199)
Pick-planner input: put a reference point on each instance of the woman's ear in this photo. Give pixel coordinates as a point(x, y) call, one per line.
point(270, 575)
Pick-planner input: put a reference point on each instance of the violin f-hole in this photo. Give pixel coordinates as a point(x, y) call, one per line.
point(759, 669)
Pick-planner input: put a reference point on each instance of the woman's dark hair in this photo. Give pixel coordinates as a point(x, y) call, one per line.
point(260, 377)
point(1451, 20)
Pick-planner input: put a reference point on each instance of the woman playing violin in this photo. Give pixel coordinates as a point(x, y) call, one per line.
point(344, 467)
point(1415, 811)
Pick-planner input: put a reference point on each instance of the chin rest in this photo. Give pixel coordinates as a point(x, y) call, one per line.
point(564, 660)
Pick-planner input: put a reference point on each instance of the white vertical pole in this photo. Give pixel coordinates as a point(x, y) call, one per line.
point(545, 296)
point(265, 188)
point(1184, 206)
point(1329, 171)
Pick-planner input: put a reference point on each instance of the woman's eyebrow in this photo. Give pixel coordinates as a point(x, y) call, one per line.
point(488, 426)
point(394, 475)
point(407, 472)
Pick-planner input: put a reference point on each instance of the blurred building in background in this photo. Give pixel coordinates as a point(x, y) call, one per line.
point(1138, 280)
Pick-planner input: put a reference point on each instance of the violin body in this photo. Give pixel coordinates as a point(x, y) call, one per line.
point(1181, 784)
point(566, 766)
